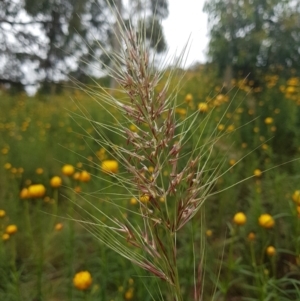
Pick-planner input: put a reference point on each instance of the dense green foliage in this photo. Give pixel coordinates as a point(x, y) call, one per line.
point(256, 36)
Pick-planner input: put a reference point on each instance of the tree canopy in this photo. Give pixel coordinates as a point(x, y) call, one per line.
point(47, 40)
point(252, 35)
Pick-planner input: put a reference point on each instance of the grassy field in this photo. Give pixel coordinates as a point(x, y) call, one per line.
point(249, 225)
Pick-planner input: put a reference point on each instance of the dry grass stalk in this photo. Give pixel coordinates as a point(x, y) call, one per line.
point(161, 141)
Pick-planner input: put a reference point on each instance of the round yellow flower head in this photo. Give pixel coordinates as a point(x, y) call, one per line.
point(36, 191)
point(68, 170)
point(202, 107)
point(11, 229)
point(251, 236)
point(188, 97)
point(5, 236)
point(55, 182)
point(82, 280)
point(84, 176)
point(209, 233)
point(144, 198)
point(129, 294)
point(2, 213)
point(269, 120)
point(76, 176)
point(110, 166)
point(239, 218)
point(133, 201)
point(296, 197)
point(257, 172)
point(39, 171)
point(266, 221)
point(271, 251)
point(58, 226)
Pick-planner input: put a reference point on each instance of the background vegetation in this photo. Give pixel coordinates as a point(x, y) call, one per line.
point(252, 255)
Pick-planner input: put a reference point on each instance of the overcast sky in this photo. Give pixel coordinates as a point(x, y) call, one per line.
point(186, 18)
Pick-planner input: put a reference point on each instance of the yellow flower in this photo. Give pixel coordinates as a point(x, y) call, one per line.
point(68, 170)
point(2, 213)
point(84, 176)
point(58, 226)
point(188, 97)
point(251, 236)
point(36, 191)
point(76, 176)
point(232, 162)
point(271, 251)
point(129, 294)
point(202, 107)
point(209, 233)
point(55, 182)
point(266, 221)
point(82, 280)
point(11, 229)
point(144, 198)
point(5, 236)
point(7, 166)
point(221, 127)
point(296, 197)
point(269, 120)
point(257, 172)
point(110, 166)
point(230, 128)
point(77, 189)
point(133, 201)
point(39, 171)
point(239, 218)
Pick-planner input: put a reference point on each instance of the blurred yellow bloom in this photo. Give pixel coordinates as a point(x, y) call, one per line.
point(36, 191)
point(251, 236)
point(77, 189)
point(232, 162)
point(7, 166)
point(129, 294)
point(133, 128)
point(68, 170)
point(266, 221)
point(188, 97)
point(257, 172)
point(230, 128)
point(180, 111)
point(221, 127)
point(11, 229)
point(209, 233)
point(58, 226)
point(271, 251)
point(296, 197)
point(133, 201)
point(39, 171)
point(202, 107)
point(2, 213)
point(84, 176)
point(55, 182)
point(5, 236)
point(239, 218)
point(82, 280)
point(24, 194)
point(76, 176)
point(269, 120)
point(110, 166)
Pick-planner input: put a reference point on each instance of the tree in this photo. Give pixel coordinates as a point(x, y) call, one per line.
point(247, 36)
point(51, 39)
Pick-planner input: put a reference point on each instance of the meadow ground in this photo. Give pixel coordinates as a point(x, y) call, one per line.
point(50, 165)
